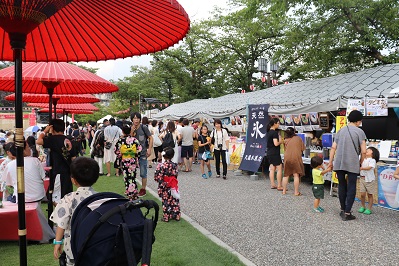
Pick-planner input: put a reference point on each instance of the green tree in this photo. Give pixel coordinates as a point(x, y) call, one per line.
point(333, 36)
point(240, 38)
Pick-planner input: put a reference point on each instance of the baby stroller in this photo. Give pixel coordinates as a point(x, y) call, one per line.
point(108, 229)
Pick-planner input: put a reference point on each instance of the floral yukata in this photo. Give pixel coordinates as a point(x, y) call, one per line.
point(166, 176)
point(127, 150)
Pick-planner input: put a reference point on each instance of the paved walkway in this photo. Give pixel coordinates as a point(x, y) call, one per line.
point(269, 228)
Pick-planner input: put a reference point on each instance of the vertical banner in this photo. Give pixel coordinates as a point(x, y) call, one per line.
point(340, 122)
point(255, 147)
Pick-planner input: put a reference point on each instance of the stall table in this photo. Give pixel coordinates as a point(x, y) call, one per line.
point(9, 222)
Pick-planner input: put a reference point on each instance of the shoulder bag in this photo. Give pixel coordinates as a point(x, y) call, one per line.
point(357, 148)
point(108, 144)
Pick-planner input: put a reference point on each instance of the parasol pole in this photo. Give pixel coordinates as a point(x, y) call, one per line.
point(18, 42)
point(55, 100)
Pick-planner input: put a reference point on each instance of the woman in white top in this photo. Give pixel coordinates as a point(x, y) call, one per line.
point(154, 130)
point(170, 127)
point(221, 146)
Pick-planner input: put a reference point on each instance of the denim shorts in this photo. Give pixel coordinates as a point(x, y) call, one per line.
point(143, 167)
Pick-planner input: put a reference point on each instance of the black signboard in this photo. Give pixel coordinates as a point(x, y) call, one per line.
point(324, 121)
point(255, 147)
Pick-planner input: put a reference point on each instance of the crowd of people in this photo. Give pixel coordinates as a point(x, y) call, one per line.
point(350, 156)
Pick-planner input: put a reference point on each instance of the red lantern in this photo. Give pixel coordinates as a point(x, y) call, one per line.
point(242, 91)
point(263, 79)
point(166, 105)
point(286, 82)
point(274, 82)
point(252, 87)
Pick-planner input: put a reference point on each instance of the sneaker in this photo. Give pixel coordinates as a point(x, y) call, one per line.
point(342, 214)
point(224, 177)
point(209, 173)
point(142, 192)
point(367, 211)
point(317, 210)
point(204, 176)
point(361, 210)
point(348, 217)
point(321, 209)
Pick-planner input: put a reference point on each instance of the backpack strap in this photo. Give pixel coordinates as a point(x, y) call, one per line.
point(127, 241)
point(142, 128)
point(148, 239)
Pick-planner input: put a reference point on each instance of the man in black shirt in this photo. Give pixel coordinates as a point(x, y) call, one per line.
point(61, 153)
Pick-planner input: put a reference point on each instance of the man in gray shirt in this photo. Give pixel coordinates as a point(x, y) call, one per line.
point(349, 143)
point(187, 149)
point(143, 134)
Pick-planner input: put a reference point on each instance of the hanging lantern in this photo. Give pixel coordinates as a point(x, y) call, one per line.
point(242, 91)
point(252, 87)
point(274, 82)
point(263, 79)
point(286, 82)
point(166, 105)
point(160, 105)
point(153, 105)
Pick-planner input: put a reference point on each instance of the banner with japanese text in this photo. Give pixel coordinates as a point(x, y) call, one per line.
point(255, 148)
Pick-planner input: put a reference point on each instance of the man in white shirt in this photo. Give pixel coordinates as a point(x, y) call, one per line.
point(112, 133)
point(187, 149)
point(34, 176)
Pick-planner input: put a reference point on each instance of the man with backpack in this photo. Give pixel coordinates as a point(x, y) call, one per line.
point(143, 134)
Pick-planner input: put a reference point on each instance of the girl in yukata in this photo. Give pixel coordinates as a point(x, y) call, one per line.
point(128, 149)
point(166, 176)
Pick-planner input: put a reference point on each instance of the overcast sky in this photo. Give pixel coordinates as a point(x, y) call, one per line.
point(120, 68)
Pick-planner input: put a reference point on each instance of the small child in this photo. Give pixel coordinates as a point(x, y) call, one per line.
point(367, 179)
point(84, 173)
point(318, 181)
point(127, 150)
point(166, 176)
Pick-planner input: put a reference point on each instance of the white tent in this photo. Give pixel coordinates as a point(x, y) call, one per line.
point(320, 95)
point(100, 121)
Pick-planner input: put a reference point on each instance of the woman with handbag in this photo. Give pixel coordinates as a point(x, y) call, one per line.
point(204, 151)
point(157, 142)
point(220, 139)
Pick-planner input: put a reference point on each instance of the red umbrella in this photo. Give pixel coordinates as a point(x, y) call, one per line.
point(71, 111)
point(62, 98)
point(64, 78)
point(81, 106)
point(80, 30)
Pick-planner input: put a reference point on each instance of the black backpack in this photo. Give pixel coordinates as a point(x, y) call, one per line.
point(116, 233)
point(168, 141)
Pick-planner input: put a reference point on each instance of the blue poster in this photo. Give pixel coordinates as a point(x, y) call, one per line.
point(255, 147)
point(388, 188)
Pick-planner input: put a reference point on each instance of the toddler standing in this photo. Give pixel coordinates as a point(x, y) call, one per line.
point(318, 181)
point(367, 179)
point(166, 176)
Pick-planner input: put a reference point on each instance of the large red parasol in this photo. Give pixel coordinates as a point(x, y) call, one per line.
point(80, 30)
point(61, 98)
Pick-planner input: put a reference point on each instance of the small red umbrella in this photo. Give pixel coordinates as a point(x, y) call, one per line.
point(70, 111)
point(62, 98)
point(63, 78)
point(82, 106)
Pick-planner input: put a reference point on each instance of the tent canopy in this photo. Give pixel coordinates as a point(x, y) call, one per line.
point(320, 95)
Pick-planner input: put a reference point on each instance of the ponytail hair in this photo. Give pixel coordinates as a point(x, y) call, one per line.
point(272, 122)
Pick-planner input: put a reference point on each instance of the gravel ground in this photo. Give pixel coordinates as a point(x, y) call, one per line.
point(269, 228)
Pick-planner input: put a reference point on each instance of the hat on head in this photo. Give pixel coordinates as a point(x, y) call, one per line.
point(197, 120)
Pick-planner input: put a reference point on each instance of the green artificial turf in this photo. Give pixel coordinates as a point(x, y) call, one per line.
point(177, 243)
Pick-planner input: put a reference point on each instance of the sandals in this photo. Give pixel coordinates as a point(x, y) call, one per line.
point(280, 189)
point(108, 174)
point(273, 187)
point(299, 194)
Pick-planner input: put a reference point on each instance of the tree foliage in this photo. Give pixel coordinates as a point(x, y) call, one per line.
point(330, 37)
